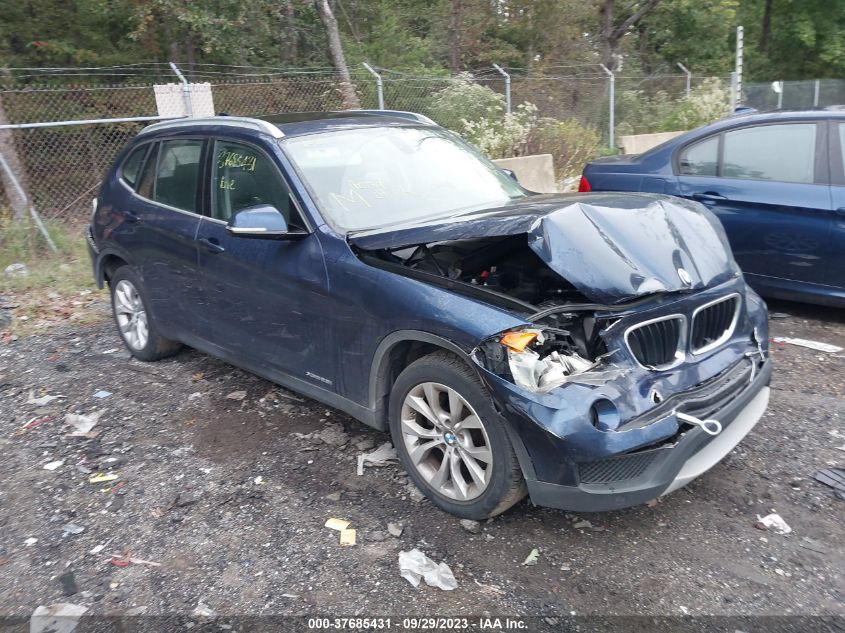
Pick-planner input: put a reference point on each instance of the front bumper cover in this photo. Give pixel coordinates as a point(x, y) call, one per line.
point(658, 471)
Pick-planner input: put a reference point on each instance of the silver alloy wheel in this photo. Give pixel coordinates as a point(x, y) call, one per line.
point(446, 441)
point(131, 316)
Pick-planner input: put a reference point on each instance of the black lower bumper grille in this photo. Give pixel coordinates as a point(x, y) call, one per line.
point(714, 323)
point(656, 343)
point(616, 469)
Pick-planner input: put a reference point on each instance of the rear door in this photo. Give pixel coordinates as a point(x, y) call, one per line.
point(768, 184)
point(835, 275)
point(267, 298)
point(159, 229)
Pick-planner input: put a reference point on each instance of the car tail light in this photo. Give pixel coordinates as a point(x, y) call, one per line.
point(584, 185)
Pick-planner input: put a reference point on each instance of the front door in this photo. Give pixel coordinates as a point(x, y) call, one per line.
point(266, 298)
point(835, 273)
point(768, 186)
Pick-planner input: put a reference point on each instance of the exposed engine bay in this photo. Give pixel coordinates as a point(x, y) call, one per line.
point(566, 341)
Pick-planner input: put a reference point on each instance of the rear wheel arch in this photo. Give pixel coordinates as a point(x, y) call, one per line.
point(107, 266)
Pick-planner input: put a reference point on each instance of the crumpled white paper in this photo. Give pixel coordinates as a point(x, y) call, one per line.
point(775, 523)
point(381, 456)
point(415, 566)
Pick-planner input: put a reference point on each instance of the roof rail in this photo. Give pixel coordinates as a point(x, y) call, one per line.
point(231, 121)
point(402, 114)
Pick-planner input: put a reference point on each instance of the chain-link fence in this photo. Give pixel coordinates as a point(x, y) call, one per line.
point(794, 95)
point(60, 164)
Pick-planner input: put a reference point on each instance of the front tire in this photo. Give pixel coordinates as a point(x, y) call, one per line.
point(132, 317)
point(451, 440)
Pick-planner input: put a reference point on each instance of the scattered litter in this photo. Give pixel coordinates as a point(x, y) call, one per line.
point(61, 617)
point(72, 528)
point(102, 478)
point(333, 435)
point(110, 351)
point(492, 590)
point(347, 536)
point(125, 559)
point(684, 610)
point(772, 522)
point(102, 394)
point(83, 423)
point(40, 402)
point(97, 549)
point(395, 529)
point(833, 477)
point(18, 269)
point(473, 527)
point(382, 456)
point(202, 610)
point(415, 566)
point(337, 524)
point(30, 541)
point(236, 395)
point(68, 583)
point(803, 342)
point(37, 421)
point(333, 496)
point(582, 525)
point(779, 315)
point(53, 465)
point(531, 559)
point(259, 481)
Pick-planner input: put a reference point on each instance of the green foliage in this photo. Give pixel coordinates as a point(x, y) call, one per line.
point(464, 99)
point(643, 113)
point(570, 142)
point(502, 136)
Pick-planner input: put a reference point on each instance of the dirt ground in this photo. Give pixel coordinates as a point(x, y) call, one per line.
point(228, 498)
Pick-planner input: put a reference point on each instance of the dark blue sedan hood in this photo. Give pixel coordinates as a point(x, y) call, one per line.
point(611, 247)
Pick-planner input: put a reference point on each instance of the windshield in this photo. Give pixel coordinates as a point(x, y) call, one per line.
point(377, 176)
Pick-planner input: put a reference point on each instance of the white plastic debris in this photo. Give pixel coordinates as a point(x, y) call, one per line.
point(30, 541)
point(415, 566)
point(53, 465)
point(72, 528)
point(61, 617)
point(382, 456)
point(17, 269)
point(532, 558)
point(202, 610)
point(83, 423)
point(40, 402)
point(803, 342)
point(102, 394)
point(97, 549)
point(775, 523)
point(237, 395)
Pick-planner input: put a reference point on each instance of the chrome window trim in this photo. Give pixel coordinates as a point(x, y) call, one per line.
point(680, 351)
point(728, 333)
point(229, 121)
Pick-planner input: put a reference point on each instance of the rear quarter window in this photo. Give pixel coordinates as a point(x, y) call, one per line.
point(700, 159)
point(132, 165)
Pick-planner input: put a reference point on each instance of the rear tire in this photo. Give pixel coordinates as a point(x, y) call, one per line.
point(132, 317)
point(451, 440)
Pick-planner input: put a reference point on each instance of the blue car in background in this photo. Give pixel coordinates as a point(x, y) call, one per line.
point(593, 351)
point(775, 181)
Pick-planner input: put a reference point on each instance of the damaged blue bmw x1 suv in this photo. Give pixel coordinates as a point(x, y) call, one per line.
point(594, 351)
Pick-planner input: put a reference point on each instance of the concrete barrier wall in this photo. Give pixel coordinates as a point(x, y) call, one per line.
point(535, 173)
point(639, 143)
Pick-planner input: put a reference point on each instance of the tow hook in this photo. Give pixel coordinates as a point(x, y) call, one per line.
point(711, 427)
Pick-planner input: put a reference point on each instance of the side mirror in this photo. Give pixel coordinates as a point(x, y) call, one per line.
point(263, 221)
point(510, 173)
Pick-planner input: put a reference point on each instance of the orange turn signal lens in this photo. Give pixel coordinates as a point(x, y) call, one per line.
point(518, 341)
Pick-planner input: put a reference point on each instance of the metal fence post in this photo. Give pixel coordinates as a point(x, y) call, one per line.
point(186, 90)
point(507, 87)
point(689, 77)
point(738, 69)
point(379, 84)
point(612, 107)
point(816, 94)
point(32, 212)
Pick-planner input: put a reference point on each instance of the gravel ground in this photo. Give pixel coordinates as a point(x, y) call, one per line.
point(228, 498)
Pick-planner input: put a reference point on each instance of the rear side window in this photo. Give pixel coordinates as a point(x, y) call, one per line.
point(177, 174)
point(841, 127)
point(701, 159)
point(785, 153)
point(132, 165)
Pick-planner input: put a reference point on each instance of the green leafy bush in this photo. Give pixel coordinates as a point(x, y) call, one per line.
point(570, 142)
point(463, 99)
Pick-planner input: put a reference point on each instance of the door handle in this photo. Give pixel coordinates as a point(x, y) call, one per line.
point(710, 196)
point(211, 245)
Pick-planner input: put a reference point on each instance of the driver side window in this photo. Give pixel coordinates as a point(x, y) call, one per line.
point(242, 177)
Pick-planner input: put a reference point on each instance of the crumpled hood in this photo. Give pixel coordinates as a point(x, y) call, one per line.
point(611, 247)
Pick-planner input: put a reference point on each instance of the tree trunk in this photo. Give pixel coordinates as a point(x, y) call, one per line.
point(347, 89)
point(612, 35)
point(17, 204)
point(766, 31)
point(455, 39)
